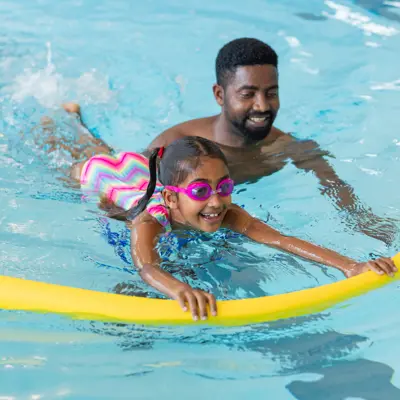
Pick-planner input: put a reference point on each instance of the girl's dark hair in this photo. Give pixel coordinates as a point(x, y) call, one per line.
point(180, 158)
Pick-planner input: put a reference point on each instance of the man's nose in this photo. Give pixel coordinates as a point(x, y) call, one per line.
point(261, 104)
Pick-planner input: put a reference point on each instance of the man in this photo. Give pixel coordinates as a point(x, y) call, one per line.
point(247, 91)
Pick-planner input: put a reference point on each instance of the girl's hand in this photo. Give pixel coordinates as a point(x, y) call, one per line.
point(197, 301)
point(381, 266)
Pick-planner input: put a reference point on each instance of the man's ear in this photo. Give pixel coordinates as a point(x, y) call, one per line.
point(170, 199)
point(219, 94)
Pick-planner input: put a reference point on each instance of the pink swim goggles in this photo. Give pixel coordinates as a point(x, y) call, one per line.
point(202, 191)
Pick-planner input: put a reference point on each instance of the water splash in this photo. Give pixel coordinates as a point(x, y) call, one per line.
point(50, 88)
point(46, 85)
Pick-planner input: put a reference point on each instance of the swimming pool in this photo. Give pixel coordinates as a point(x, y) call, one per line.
point(138, 68)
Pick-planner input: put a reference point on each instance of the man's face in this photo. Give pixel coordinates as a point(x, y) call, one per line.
point(250, 100)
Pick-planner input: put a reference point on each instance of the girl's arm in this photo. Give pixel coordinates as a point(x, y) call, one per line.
point(241, 221)
point(145, 231)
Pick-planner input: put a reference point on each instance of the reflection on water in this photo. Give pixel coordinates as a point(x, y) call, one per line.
point(360, 379)
point(387, 9)
point(317, 363)
point(384, 8)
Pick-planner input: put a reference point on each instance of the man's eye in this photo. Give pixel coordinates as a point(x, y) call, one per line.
point(246, 95)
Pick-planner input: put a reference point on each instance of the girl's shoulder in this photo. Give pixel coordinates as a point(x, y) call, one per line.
point(236, 218)
point(146, 219)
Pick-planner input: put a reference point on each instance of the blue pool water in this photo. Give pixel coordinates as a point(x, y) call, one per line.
point(138, 68)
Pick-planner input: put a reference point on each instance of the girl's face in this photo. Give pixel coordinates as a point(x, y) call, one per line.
point(205, 215)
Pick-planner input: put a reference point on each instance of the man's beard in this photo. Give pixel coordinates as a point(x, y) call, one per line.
point(254, 133)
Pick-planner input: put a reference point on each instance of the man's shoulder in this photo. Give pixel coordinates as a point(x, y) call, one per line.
point(195, 127)
point(288, 138)
point(277, 136)
point(299, 149)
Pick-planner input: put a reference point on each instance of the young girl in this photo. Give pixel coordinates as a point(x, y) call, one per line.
point(187, 185)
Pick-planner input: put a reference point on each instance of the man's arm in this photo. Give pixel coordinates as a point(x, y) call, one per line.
point(308, 156)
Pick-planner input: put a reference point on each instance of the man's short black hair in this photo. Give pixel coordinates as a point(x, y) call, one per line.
point(242, 52)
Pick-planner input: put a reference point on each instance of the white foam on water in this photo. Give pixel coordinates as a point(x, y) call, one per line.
point(395, 85)
point(50, 88)
point(392, 3)
point(345, 14)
